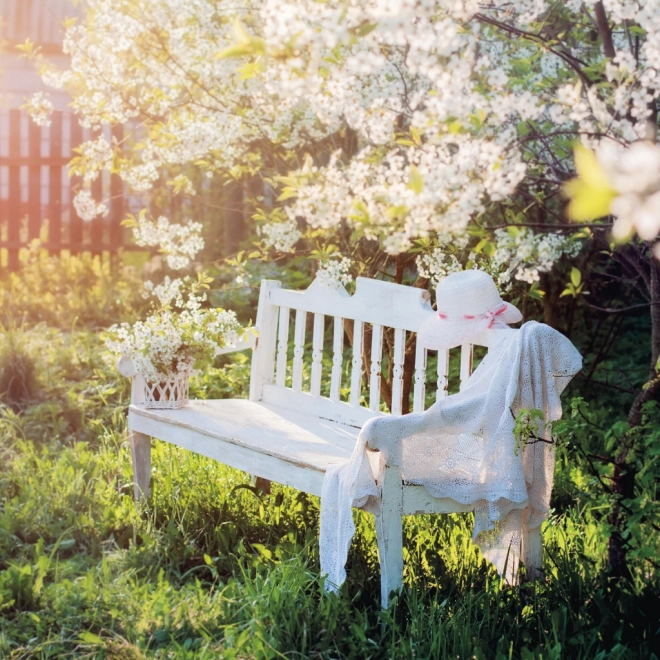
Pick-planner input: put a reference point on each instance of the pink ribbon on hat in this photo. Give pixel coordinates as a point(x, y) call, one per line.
point(491, 315)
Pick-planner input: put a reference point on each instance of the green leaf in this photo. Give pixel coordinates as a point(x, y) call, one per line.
point(365, 29)
point(576, 277)
point(416, 182)
point(287, 193)
point(90, 638)
point(591, 192)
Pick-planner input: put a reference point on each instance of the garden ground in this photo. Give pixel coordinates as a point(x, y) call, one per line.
point(210, 567)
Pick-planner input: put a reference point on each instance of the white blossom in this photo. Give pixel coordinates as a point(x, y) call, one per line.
point(522, 255)
point(179, 242)
point(172, 340)
point(86, 207)
point(429, 89)
point(335, 272)
point(40, 108)
point(281, 236)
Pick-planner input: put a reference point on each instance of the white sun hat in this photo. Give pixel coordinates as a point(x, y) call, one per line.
point(468, 302)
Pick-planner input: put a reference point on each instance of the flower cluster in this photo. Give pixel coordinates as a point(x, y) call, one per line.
point(175, 340)
point(443, 259)
point(522, 255)
point(86, 207)
point(447, 111)
point(95, 156)
point(179, 242)
point(281, 236)
point(335, 272)
point(40, 109)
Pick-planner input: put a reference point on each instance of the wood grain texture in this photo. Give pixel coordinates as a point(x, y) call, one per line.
point(317, 354)
point(398, 356)
point(443, 375)
point(337, 358)
point(141, 456)
point(532, 552)
point(419, 392)
point(389, 533)
point(298, 350)
point(376, 358)
point(282, 346)
point(375, 301)
point(467, 352)
point(263, 355)
point(356, 366)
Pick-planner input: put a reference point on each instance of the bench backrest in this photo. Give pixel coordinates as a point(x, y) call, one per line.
point(375, 303)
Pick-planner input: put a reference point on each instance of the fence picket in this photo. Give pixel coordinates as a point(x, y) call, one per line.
point(116, 199)
point(14, 204)
point(34, 181)
point(54, 214)
point(75, 221)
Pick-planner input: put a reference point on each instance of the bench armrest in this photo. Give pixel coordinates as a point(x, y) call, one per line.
point(386, 434)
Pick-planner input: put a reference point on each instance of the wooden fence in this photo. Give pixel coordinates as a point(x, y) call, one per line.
point(36, 191)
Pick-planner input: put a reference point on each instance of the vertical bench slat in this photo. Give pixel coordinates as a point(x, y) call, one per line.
point(443, 374)
point(398, 357)
point(298, 349)
point(337, 356)
point(282, 346)
point(419, 393)
point(467, 351)
point(356, 373)
point(376, 358)
point(317, 354)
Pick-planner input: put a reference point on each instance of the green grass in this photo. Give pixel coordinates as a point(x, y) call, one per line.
point(209, 567)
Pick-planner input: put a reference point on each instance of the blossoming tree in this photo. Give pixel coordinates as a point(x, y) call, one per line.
point(389, 135)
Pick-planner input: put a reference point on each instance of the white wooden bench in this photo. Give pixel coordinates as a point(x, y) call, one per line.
point(290, 434)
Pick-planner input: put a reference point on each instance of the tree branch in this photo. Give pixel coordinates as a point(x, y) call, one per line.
point(620, 310)
point(604, 30)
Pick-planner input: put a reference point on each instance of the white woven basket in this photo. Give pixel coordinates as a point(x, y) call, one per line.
point(171, 393)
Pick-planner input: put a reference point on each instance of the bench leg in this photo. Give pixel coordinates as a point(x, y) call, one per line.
point(389, 533)
point(141, 453)
point(532, 553)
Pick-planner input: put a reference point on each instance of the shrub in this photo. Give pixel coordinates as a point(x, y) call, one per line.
point(18, 370)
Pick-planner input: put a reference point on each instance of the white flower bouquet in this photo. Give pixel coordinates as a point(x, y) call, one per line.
point(177, 339)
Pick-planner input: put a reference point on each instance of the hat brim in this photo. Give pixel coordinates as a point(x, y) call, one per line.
point(442, 334)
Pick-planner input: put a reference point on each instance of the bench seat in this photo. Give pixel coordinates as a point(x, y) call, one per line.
point(286, 446)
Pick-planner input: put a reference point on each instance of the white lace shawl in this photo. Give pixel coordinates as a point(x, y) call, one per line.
point(463, 448)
